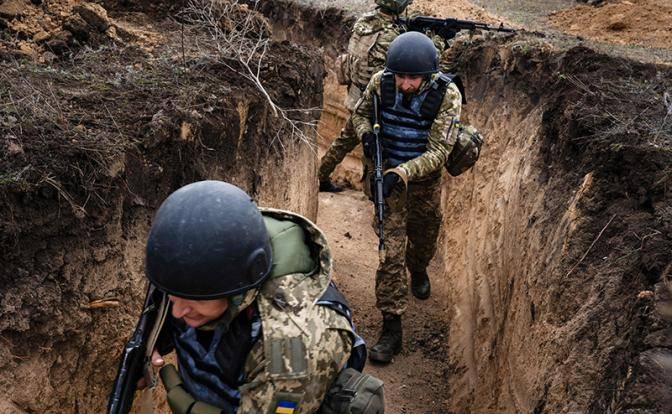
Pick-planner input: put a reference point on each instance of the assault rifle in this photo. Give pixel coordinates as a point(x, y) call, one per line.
point(447, 28)
point(378, 198)
point(135, 357)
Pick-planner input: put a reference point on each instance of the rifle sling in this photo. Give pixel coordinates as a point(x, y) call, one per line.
point(147, 406)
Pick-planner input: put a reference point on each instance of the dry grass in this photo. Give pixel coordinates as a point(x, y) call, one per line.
point(638, 111)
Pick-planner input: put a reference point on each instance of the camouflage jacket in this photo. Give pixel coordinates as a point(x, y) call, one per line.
point(304, 345)
point(441, 137)
point(301, 346)
point(371, 36)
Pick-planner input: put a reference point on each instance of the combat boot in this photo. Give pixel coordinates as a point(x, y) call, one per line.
point(420, 286)
point(329, 187)
point(389, 343)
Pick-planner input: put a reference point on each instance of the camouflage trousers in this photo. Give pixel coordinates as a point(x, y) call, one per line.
point(343, 144)
point(412, 223)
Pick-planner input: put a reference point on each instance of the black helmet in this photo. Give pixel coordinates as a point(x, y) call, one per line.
point(393, 6)
point(412, 53)
point(208, 240)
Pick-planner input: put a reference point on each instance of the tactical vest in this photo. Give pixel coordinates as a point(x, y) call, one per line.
point(212, 363)
point(405, 123)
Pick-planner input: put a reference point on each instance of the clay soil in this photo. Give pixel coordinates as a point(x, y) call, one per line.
point(645, 23)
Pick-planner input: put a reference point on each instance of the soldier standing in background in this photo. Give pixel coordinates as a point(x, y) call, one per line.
point(419, 108)
point(371, 36)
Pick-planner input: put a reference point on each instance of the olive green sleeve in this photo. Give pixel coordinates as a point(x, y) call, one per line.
point(441, 138)
point(361, 117)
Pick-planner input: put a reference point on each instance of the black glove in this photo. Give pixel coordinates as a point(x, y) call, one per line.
point(369, 144)
point(389, 181)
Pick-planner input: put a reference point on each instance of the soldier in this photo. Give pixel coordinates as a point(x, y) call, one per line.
point(371, 36)
point(255, 322)
point(418, 108)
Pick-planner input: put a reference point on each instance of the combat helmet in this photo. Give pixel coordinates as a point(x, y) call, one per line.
point(412, 53)
point(393, 6)
point(208, 240)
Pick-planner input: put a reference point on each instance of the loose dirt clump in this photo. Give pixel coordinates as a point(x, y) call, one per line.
point(637, 22)
point(52, 28)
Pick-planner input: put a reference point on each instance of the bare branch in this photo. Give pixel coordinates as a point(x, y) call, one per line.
point(241, 36)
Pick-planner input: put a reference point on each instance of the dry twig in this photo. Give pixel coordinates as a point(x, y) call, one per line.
point(591, 245)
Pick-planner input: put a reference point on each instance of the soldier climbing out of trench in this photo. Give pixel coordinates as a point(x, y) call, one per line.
point(371, 36)
point(418, 113)
point(250, 310)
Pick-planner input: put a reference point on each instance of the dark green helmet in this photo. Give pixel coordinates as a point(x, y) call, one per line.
point(208, 240)
point(394, 6)
point(412, 53)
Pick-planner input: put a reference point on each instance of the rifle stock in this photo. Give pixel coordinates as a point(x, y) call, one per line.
point(378, 197)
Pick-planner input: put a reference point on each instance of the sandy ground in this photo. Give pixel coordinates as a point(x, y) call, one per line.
point(415, 381)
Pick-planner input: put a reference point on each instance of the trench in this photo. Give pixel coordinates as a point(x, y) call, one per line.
point(553, 254)
point(550, 270)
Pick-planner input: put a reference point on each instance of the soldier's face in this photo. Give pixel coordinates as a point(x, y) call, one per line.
point(408, 84)
point(198, 312)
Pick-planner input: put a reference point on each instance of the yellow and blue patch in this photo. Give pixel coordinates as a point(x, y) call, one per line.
point(285, 407)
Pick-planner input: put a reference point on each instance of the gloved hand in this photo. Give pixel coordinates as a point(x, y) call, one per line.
point(369, 144)
point(389, 181)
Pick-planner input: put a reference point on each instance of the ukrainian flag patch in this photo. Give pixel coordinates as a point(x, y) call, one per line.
point(285, 407)
point(286, 403)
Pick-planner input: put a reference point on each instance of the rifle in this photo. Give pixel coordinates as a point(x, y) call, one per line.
point(378, 198)
point(447, 28)
point(135, 358)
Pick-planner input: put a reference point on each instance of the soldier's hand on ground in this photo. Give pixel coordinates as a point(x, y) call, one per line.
point(368, 144)
point(157, 362)
point(390, 180)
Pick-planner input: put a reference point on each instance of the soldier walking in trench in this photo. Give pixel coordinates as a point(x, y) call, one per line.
point(419, 107)
point(371, 36)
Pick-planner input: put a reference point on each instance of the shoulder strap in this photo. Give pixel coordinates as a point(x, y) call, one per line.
point(432, 103)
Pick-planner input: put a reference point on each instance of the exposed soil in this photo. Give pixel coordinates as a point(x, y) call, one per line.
point(549, 286)
point(638, 22)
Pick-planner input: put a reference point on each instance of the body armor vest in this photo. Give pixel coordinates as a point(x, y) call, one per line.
point(211, 362)
point(405, 122)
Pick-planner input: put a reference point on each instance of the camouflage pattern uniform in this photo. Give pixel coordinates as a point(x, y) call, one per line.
point(314, 341)
point(302, 346)
point(371, 36)
point(412, 217)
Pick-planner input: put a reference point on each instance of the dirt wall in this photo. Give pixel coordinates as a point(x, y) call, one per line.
point(556, 243)
point(327, 28)
point(82, 174)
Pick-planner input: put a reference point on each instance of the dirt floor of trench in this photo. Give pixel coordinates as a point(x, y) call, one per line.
point(415, 382)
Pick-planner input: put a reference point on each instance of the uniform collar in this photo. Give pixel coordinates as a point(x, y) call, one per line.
point(236, 305)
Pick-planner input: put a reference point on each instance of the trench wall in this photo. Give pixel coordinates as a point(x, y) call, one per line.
point(58, 351)
point(326, 28)
point(553, 263)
